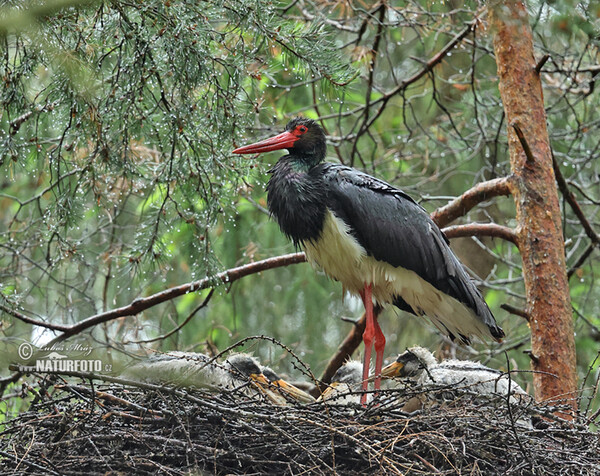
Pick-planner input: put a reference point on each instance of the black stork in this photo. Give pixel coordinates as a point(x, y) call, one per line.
point(372, 237)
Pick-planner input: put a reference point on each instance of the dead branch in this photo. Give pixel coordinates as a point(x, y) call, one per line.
point(540, 64)
point(515, 311)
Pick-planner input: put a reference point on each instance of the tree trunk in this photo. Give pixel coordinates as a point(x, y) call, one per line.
point(539, 230)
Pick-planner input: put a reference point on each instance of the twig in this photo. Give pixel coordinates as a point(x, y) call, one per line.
point(527, 457)
point(179, 327)
point(528, 154)
point(35, 322)
point(541, 63)
point(515, 311)
point(432, 63)
point(581, 260)
point(570, 197)
point(15, 124)
point(374, 52)
point(595, 388)
point(239, 343)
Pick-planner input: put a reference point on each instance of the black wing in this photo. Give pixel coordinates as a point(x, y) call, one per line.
point(395, 229)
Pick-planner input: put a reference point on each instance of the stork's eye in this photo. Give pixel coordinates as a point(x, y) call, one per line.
point(301, 129)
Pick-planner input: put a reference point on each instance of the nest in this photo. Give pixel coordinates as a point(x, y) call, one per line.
point(82, 427)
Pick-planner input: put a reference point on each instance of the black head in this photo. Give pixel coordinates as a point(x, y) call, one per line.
point(303, 138)
point(270, 374)
point(244, 364)
point(410, 363)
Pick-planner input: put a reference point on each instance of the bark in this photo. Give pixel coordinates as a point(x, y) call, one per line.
point(533, 187)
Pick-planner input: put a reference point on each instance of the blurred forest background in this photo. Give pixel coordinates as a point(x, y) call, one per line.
point(117, 122)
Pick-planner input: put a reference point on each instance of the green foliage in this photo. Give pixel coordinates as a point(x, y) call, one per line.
point(117, 124)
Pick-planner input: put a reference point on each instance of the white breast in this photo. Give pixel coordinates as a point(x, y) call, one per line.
point(342, 258)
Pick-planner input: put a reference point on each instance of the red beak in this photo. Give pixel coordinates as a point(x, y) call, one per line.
point(284, 140)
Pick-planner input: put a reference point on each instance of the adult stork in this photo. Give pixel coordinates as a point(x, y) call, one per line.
point(372, 237)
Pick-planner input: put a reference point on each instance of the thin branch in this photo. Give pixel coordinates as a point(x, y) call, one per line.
point(528, 154)
point(29, 320)
point(432, 63)
point(584, 256)
point(179, 327)
point(141, 304)
point(541, 63)
point(482, 229)
point(472, 197)
point(370, 81)
point(570, 197)
point(516, 311)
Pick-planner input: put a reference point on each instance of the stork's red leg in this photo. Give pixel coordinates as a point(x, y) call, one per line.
point(379, 347)
point(368, 336)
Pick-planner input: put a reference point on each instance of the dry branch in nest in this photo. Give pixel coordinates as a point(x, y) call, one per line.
point(86, 428)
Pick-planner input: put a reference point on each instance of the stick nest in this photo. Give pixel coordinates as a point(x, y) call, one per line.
point(84, 428)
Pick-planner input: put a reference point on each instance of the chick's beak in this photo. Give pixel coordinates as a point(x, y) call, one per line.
point(296, 393)
point(329, 391)
point(260, 379)
point(261, 382)
point(392, 370)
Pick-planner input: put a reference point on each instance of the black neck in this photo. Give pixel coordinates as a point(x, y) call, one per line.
point(297, 199)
